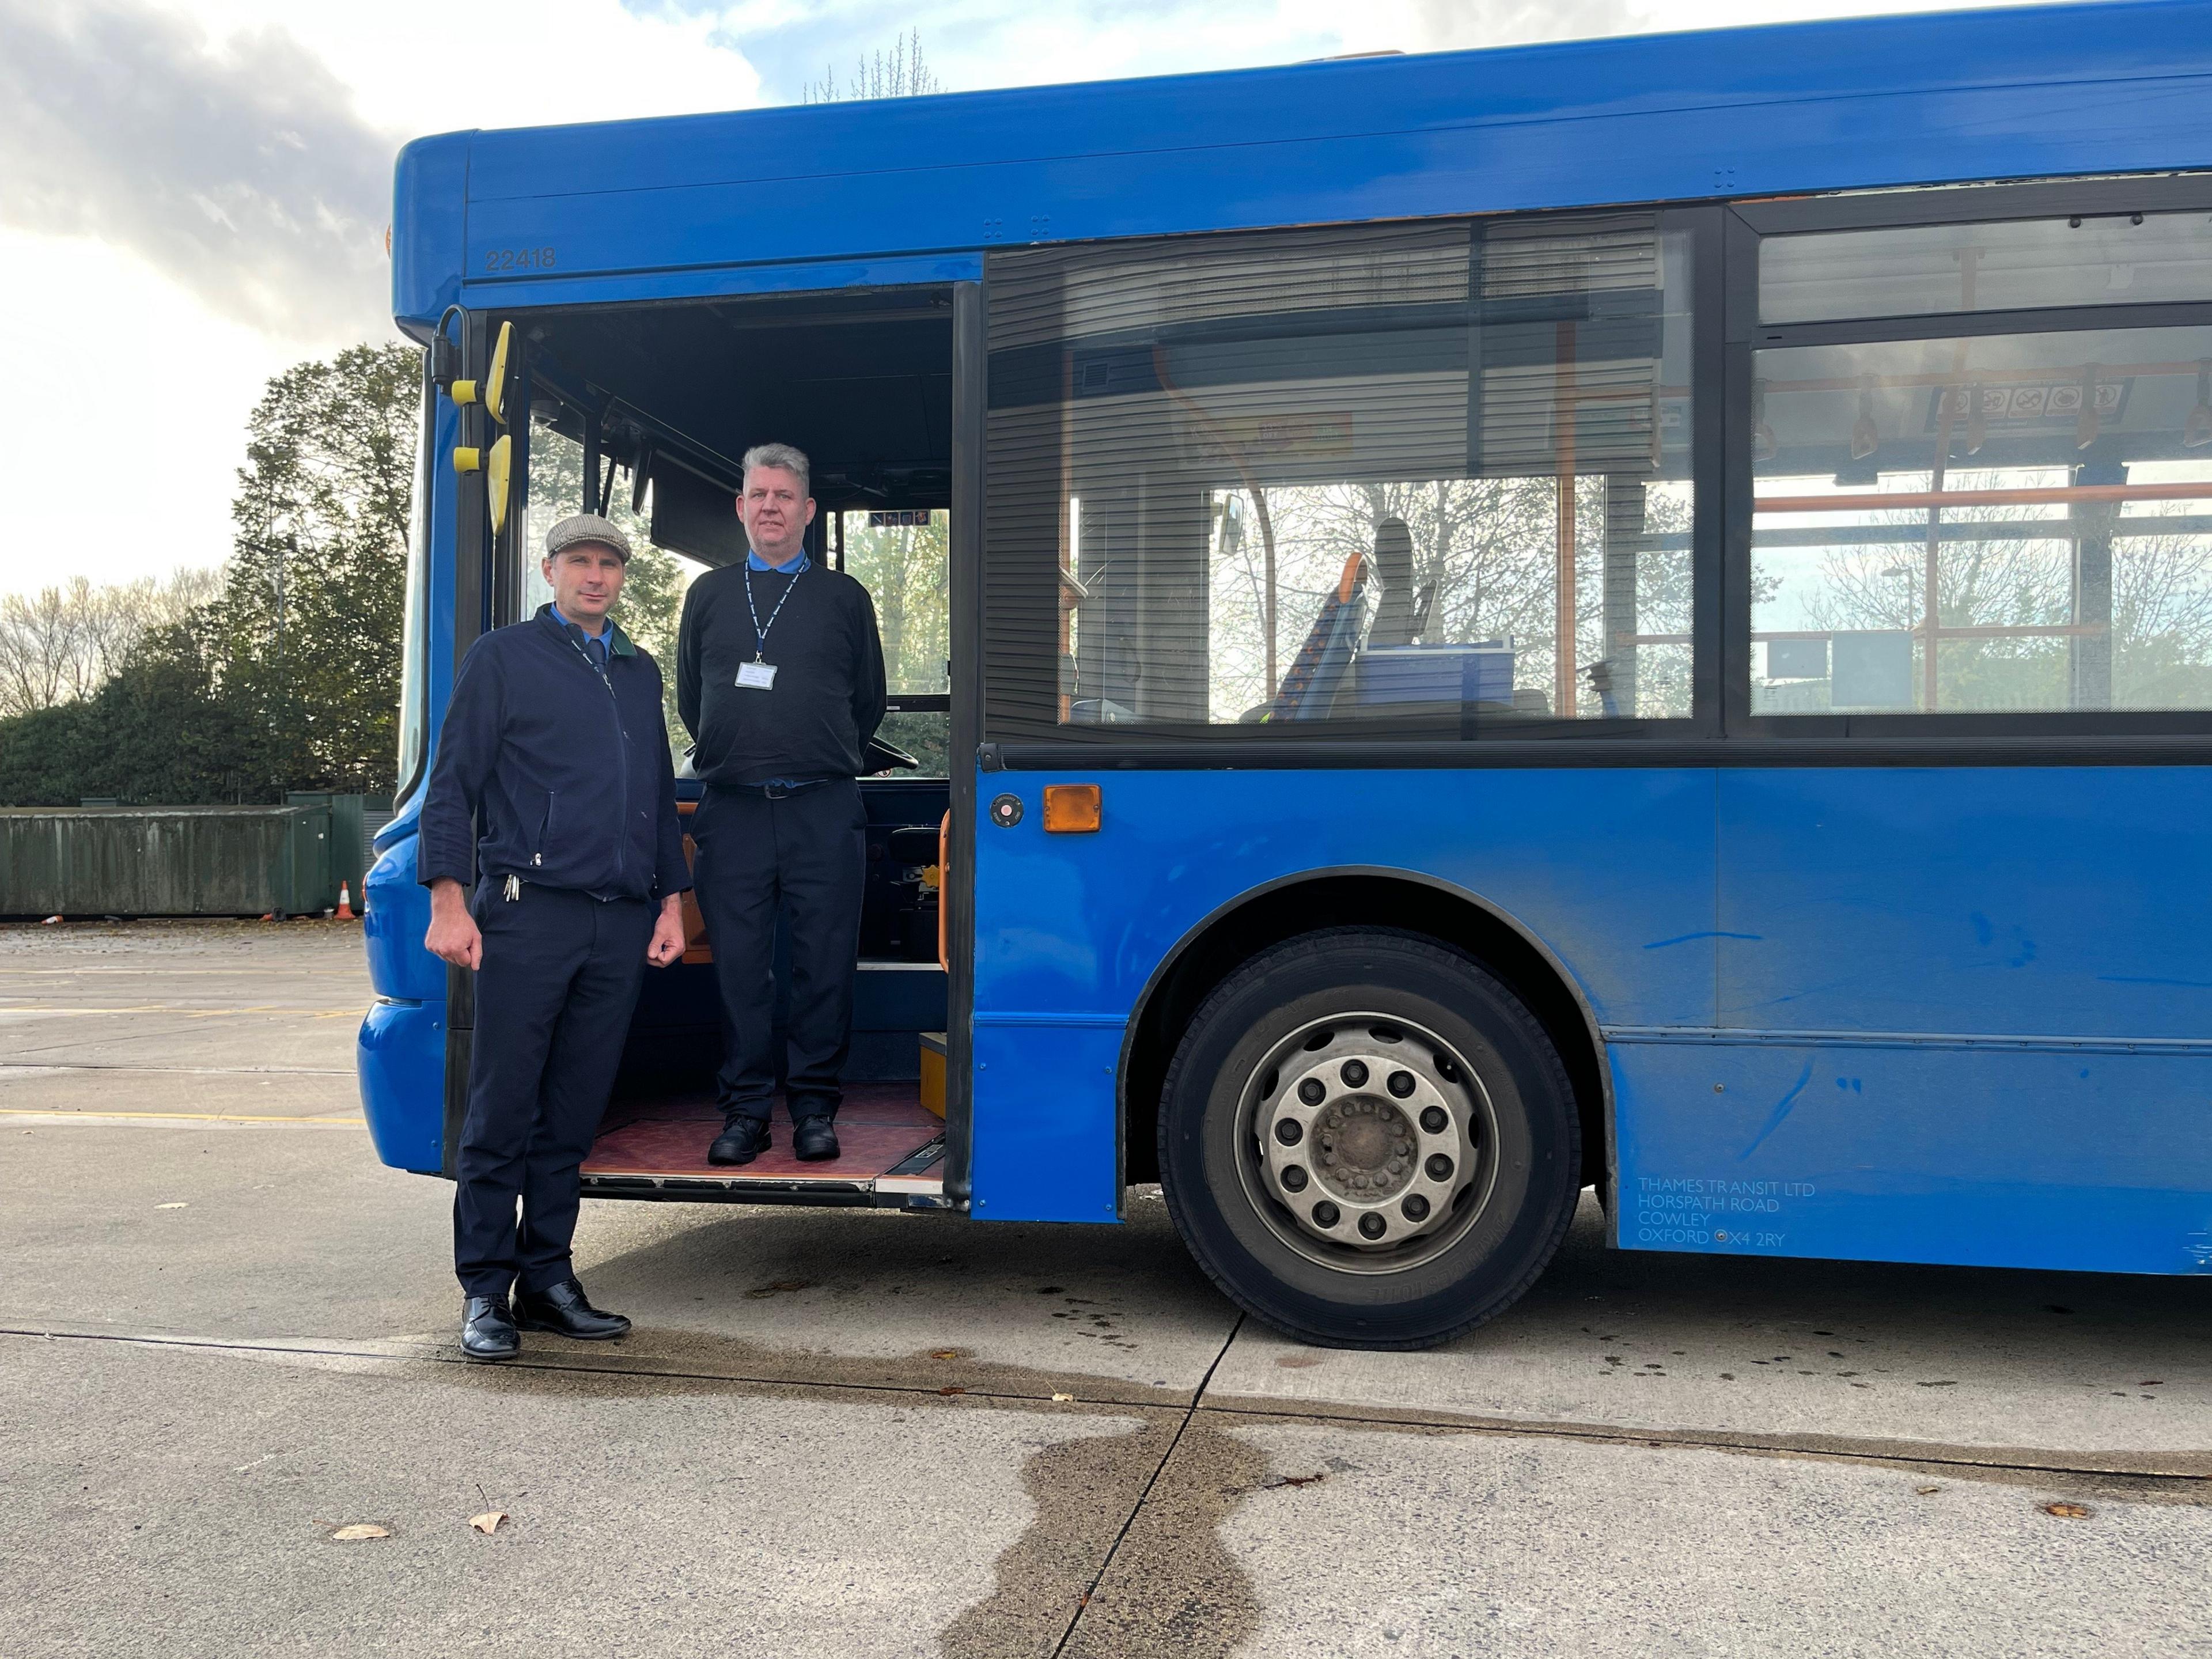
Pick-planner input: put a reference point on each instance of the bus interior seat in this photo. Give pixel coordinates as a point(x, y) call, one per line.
point(1320, 669)
point(1399, 611)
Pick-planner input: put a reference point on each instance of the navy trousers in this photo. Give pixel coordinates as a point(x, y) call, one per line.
point(804, 858)
point(554, 999)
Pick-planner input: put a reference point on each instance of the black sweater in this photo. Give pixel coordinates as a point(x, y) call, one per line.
point(567, 785)
point(827, 699)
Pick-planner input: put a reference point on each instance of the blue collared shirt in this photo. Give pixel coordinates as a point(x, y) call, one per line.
point(595, 646)
point(754, 561)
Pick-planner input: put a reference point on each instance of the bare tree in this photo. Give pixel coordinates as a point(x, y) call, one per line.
point(62, 644)
point(899, 73)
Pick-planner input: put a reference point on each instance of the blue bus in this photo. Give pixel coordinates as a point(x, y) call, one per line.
point(1634, 614)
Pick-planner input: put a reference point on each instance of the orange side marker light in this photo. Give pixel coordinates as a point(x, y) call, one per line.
point(1071, 809)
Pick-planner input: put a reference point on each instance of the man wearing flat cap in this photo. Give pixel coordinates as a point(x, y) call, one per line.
point(552, 791)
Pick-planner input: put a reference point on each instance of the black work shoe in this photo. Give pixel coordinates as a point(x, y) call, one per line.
point(488, 1329)
point(813, 1140)
point(564, 1311)
point(745, 1139)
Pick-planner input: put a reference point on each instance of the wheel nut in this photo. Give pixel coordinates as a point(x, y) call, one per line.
point(1435, 1120)
point(1439, 1166)
point(1372, 1225)
point(1416, 1207)
point(1325, 1214)
point(1354, 1074)
point(1289, 1131)
point(1311, 1091)
point(1401, 1083)
point(1294, 1179)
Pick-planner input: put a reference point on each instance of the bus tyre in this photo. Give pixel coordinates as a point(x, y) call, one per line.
point(1367, 1140)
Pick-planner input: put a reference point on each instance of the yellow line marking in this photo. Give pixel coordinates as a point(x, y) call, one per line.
point(177, 1117)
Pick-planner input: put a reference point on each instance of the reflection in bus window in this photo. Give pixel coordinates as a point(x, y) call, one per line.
point(901, 557)
point(2115, 258)
point(2008, 523)
point(1433, 477)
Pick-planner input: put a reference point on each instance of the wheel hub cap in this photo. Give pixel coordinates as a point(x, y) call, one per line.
point(1366, 1149)
point(1365, 1133)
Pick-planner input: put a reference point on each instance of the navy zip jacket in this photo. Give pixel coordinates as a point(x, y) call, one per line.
point(564, 771)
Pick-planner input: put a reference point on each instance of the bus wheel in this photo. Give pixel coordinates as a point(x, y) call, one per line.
point(1368, 1141)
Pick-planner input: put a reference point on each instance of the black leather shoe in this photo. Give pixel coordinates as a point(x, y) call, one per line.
point(813, 1140)
point(745, 1139)
point(564, 1311)
point(488, 1329)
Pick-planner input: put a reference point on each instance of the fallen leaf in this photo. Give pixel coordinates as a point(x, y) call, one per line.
point(952, 1391)
point(2067, 1511)
point(1926, 1490)
point(1065, 1399)
point(359, 1531)
point(488, 1520)
point(944, 1353)
point(173, 1206)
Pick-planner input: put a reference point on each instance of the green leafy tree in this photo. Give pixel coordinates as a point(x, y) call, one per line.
point(306, 634)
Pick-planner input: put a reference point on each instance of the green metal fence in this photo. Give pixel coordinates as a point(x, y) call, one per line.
point(180, 860)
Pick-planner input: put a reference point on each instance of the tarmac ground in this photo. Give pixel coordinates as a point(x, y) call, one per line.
point(226, 1335)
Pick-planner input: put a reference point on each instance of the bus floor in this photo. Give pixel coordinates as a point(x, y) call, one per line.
point(883, 1129)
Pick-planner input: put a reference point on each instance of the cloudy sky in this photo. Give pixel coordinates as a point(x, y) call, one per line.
point(193, 193)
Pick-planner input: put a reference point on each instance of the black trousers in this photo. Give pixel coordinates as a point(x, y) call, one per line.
point(803, 858)
point(554, 999)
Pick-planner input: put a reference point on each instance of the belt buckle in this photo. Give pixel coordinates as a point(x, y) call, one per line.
point(776, 791)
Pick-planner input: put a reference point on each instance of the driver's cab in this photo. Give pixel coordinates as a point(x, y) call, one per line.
point(640, 412)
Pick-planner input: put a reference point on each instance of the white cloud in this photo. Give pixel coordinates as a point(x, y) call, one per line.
point(125, 420)
point(422, 66)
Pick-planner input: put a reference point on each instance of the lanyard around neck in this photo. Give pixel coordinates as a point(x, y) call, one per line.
point(760, 633)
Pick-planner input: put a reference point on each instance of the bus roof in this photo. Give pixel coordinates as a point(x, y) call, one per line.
point(918, 189)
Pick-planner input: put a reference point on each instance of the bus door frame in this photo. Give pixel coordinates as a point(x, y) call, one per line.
point(957, 880)
point(485, 592)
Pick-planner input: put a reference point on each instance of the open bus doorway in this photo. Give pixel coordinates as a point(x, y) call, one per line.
point(641, 413)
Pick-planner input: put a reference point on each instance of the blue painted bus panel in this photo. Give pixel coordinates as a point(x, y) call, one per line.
point(1968, 900)
point(1972, 1156)
point(429, 226)
point(401, 1057)
point(716, 282)
point(1612, 871)
point(1045, 1121)
point(395, 914)
point(1672, 155)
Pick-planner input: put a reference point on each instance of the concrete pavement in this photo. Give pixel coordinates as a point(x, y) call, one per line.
point(229, 1333)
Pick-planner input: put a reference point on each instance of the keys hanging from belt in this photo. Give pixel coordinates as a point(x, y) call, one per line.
point(513, 889)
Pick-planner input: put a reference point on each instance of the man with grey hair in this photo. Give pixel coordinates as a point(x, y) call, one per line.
point(779, 680)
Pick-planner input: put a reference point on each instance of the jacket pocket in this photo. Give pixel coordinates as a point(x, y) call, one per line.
point(544, 841)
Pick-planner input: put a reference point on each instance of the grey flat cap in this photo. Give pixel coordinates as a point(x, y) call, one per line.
point(586, 527)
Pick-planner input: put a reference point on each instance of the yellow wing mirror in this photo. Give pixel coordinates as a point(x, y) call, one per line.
point(492, 387)
point(494, 391)
point(496, 480)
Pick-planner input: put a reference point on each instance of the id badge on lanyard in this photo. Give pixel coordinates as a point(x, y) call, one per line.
point(759, 674)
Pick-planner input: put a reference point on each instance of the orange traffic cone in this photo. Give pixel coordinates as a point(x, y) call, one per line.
point(345, 906)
